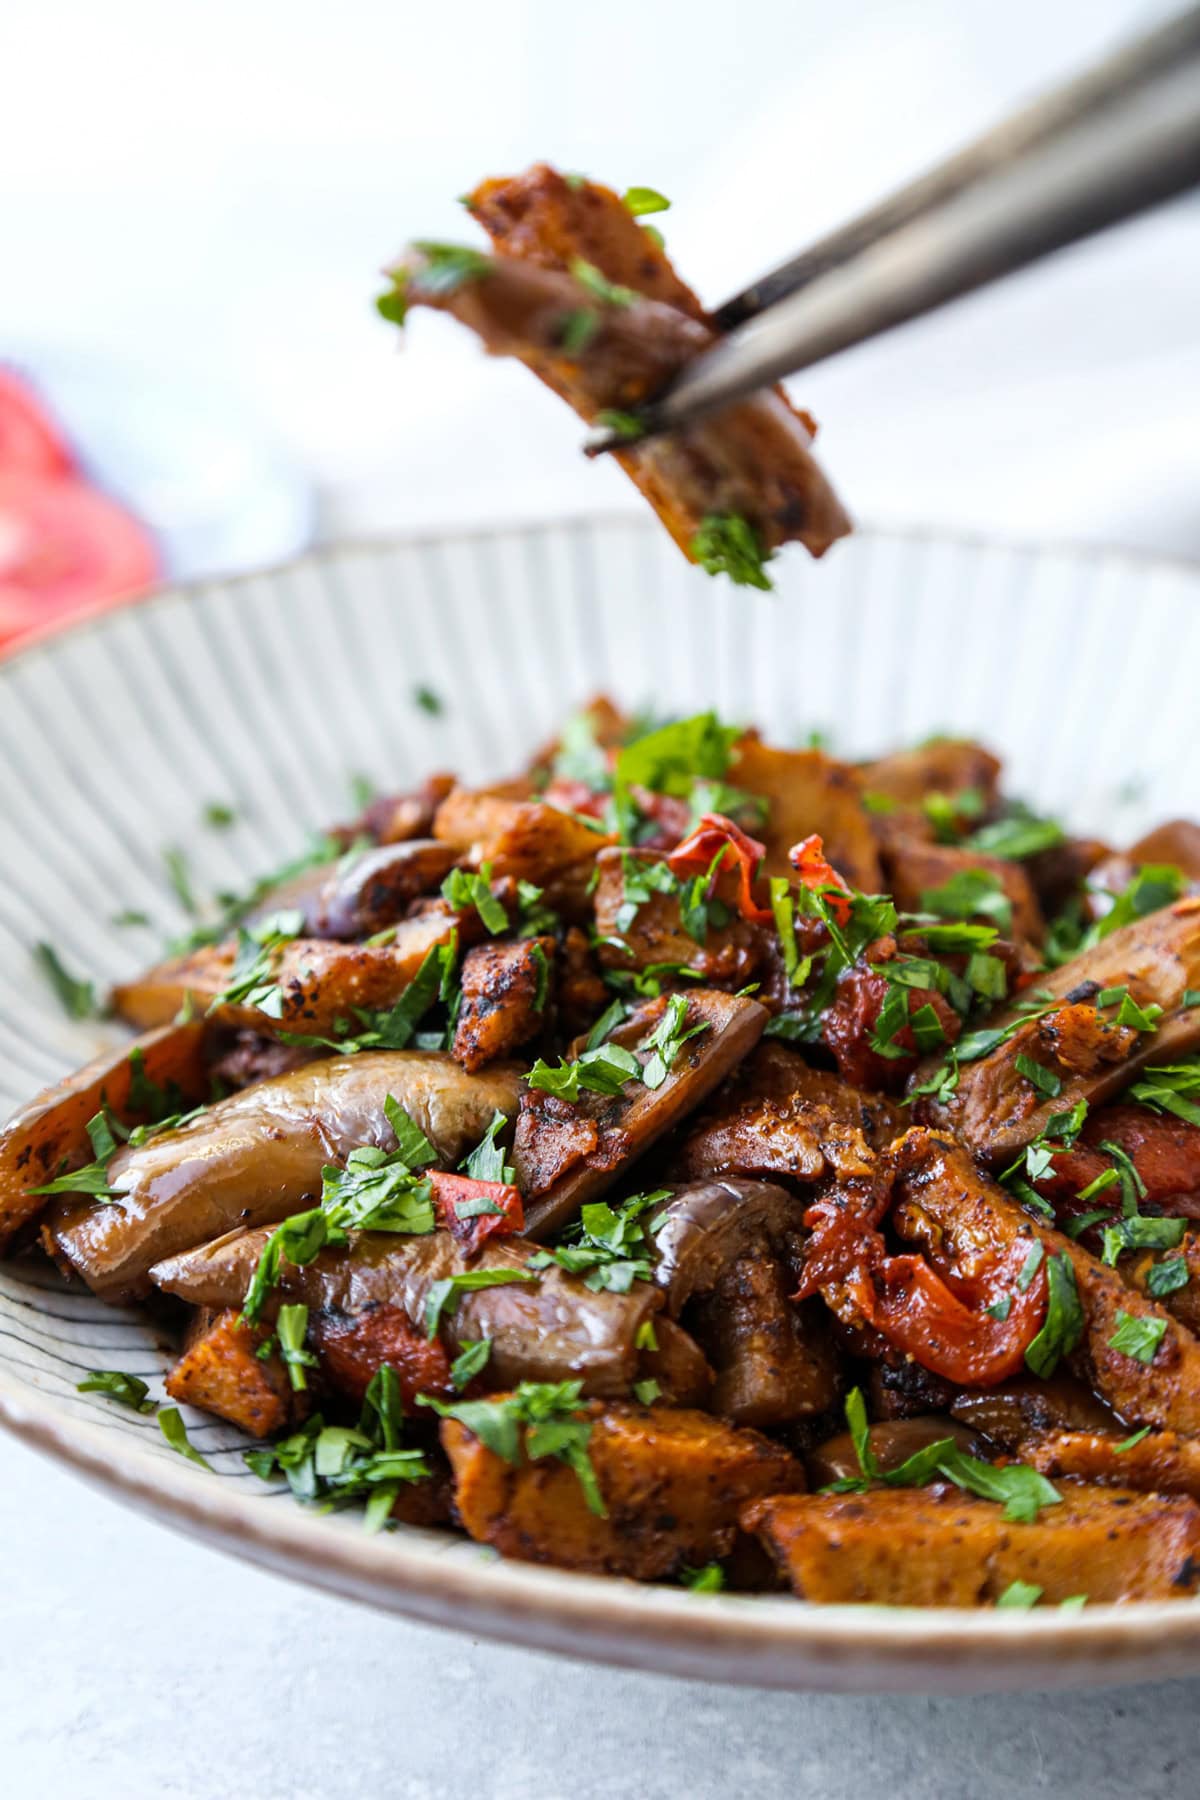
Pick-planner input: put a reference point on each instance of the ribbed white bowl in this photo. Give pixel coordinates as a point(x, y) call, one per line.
point(269, 693)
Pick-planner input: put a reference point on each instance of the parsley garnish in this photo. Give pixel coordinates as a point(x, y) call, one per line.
point(1173, 1088)
point(76, 996)
point(290, 1329)
point(114, 1384)
point(427, 700)
point(486, 1161)
point(335, 1465)
point(1167, 1277)
point(610, 293)
point(463, 889)
point(624, 425)
point(171, 1424)
point(251, 981)
point(1064, 1323)
point(179, 878)
point(1019, 835)
point(727, 544)
point(547, 1416)
point(642, 200)
point(1023, 1594)
point(1138, 1338)
point(667, 1039)
point(1020, 1489)
point(609, 1246)
point(218, 816)
point(604, 1070)
point(471, 1358)
point(446, 1292)
point(708, 1580)
point(1129, 1442)
point(972, 893)
point(1042, 1078)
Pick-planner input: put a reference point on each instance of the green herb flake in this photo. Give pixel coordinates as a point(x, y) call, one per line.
point(642, 200)
point(609, 293)
point(446, 1293)
point(1167, 1277)
point(1129, 1442)
point(1064, 1323)
point(625, 425)
point(76, 996)
point(727, 544)
point(471, 1358)
point(1043, 1079)
point(1021, 1595)
point(428, 701)
point(708, 1580)
point(114, 1384)
point(170, 1423)
point(290, 1329)
point(217, 816)
point(545, 1419)
point(1138, 1338)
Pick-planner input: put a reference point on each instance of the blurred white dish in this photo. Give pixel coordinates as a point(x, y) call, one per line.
point(269, 691)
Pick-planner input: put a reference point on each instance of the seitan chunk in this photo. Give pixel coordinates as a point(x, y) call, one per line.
point(560, 242)
point(940, 1547)
point(808, 792)
point(221, 1372)
point(915, 868)
point(673, 1483)
point(505, 991)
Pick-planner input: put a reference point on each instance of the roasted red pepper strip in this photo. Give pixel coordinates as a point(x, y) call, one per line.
point(946, 1328)
point(716, 835)
point(449, 1191)
point(354, 1350)
point(816, 872)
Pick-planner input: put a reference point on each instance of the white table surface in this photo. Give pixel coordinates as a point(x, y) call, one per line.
point(138, 1664)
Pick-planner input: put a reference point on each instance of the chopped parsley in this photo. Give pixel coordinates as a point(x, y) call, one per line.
point(642, 200)
point(1129, 1442)
point(708, 1580)
point(609, 293)
point(1154, 886)
point(472, 1357)
point(76, 996)
point(446, 1293)
point(114, 1384)
point(609, 1246)
point(428, 701)
point(179, 878)
point(170, 1423)
point(1138, 1338)
point(541, 1417)
point(486, 1161)
point(624, 425)
point(218, 816)
point(464, 889)
point(727, 544)
point(1020, 1594)
point(335, 1465)
point(667, 1039)
point(290, 1328)
point(1022, 1491)
point(1172, 1088)
point(251, 979)
point(1167, 1277)
point(105, 1134)
point(1043, 1079)
point(604, 1070)
point(1017, 836)
point(1064, 1324)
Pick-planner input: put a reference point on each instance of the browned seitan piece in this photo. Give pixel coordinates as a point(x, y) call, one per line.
point(940, 1547)
point(673, 1483)
point(753, 459)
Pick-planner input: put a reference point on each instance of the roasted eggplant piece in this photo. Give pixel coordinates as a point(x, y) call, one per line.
point(360, 894)
point(571, 252)
point(939, 1547)
point(722, 1258)
point(566, 1153)
point(256, 1157)
point(997, 1110)
point(699, 1471)
point(552, 1329)
point(889, 1443)
point(50, 1134)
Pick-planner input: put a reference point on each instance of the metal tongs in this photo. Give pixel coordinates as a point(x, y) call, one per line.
point(1120, 138)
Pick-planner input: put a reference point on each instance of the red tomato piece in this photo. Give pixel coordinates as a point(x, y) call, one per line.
point(816, 872)
point(451, 1191)
point(714, 836)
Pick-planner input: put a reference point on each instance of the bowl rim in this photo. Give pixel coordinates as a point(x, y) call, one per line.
point(764, 1641)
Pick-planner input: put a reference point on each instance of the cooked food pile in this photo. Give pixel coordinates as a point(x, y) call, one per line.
point(690, 1159)
point(582, 293)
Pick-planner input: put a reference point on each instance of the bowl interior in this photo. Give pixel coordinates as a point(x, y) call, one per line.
point(273, 694)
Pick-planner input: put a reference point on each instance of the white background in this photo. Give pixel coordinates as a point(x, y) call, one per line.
point(198, 196)
point(204, 192)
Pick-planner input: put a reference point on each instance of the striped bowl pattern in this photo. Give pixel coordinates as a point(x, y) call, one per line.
point(270, 693)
